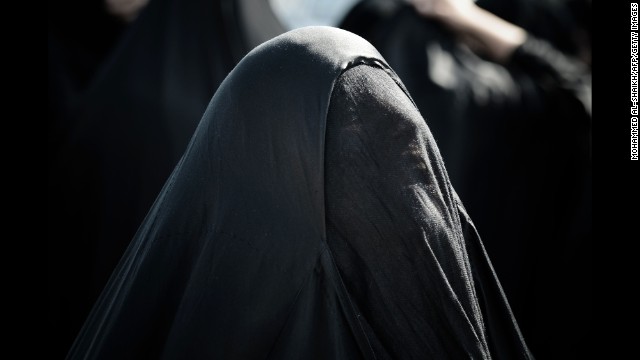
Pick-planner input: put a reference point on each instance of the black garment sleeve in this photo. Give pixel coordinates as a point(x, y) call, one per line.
point(554, 71)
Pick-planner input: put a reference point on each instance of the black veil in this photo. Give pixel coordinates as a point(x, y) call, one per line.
point(115, 138)
point(516, 139)
point(316, 220)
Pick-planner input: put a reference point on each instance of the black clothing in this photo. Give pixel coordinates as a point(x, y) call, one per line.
point(315, 221)
point(516, 142)
point(115, 138)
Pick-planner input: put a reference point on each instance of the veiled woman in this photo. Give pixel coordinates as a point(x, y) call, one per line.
point(310, 217)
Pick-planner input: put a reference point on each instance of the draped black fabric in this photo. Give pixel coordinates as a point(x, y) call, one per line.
point(516, 142)
point(316, 220)
point(115, 136)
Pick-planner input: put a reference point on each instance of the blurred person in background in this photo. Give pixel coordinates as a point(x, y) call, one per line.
point(128, 83)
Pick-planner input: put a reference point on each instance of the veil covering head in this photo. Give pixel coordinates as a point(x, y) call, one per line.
point(310, 217)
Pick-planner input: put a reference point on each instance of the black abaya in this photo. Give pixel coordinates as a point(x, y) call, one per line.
point(115, 140)
point(316, 221)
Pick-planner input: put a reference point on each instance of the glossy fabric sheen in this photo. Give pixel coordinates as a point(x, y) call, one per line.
point(259, 247)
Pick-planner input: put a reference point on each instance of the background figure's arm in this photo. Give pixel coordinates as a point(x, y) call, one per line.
point(481, 30)
point(504, 42)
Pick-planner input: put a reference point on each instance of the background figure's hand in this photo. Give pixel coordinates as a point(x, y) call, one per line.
point(127, 10)
point(492, 36)
point(443, 9)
